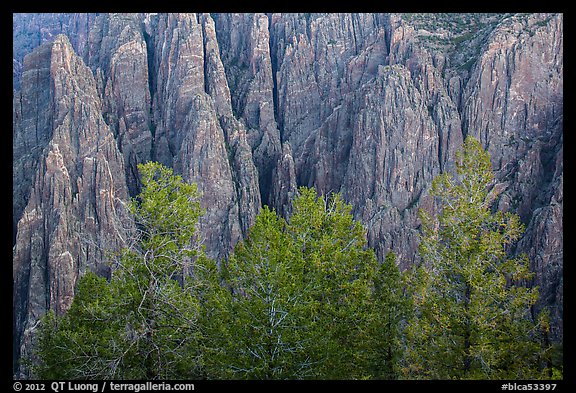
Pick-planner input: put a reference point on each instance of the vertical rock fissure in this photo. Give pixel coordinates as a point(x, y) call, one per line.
point(150, 59)
point(205, 69)
point(152, 83)
point(274, 64)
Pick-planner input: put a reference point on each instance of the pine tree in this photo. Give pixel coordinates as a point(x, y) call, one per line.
point(472, 311)
point(67, 346)
point(338, 275)
point(143, 324)
point(299, 300)
point(551, 353)
point(263, 331)
point(392, 308)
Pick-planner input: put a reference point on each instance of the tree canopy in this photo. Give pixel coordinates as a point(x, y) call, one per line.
point(304, 297)
point(142, 324)
point(472, 309)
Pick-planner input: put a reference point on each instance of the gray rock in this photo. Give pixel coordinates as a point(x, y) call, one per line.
point(73, 213)
point(251, 106)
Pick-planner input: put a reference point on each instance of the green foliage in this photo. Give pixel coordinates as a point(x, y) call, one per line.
point(338, 276)
point(166, 212)
point(393, 307)
point(551, 354)
point(306, 298)
point(262, 310)
point(68, 346)
point(301, 301)
point(472, 313)
point(143, 323)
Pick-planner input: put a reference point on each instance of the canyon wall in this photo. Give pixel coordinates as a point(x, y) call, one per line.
point(251, 106)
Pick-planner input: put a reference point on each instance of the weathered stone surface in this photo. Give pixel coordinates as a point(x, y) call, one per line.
point(179, 68)
point(284, 181)
point(117, 52)
point(377, 115)
point(250, 106)
point(196, 132)
point(514, 105)
point(380, 149)
point(30, 30)
point(240, 157)
point(245, 51)
point(319, 58)
point(72, 214)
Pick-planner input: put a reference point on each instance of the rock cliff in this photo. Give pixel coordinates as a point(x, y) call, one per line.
point(69, 182)
point(250, 106)
point(514, 105)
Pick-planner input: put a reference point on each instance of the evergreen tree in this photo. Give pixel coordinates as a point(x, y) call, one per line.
point(338, 276)
point(79, 344)
point(472, 311)
point(300, 301)
point(551, 353)
point(143, 324)
point(306, 298)
point(392, 308)
point(262, 327)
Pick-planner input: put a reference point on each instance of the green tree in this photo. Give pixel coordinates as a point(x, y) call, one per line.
point(551, 353)
point(338, 275)
point(300, 299)
point(472, 311)
point(66, 344)
point(392, 309)
point(143, 324)
point(261, 315)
